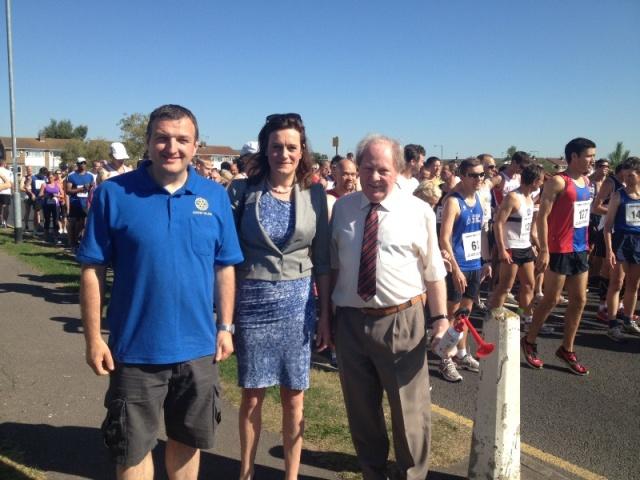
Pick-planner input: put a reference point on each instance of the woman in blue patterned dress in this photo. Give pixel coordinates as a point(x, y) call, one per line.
point(283, 228)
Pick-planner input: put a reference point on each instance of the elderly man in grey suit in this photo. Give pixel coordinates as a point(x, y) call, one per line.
point(384, 257)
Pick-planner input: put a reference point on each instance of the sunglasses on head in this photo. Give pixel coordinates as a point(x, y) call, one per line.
point(284, 116)
point(475, 175)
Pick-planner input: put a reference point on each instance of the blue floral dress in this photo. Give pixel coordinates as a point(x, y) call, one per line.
point(275, 320)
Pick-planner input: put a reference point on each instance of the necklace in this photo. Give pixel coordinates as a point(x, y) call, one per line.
point(280, 190)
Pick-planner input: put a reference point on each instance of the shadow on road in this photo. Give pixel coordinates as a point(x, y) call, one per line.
point(49, 294)
point(79, 451)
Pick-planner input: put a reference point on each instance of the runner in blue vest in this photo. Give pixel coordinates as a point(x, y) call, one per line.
point(460, 238)
point(623, 247)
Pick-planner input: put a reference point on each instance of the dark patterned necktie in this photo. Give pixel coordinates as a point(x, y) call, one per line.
point(369, 255)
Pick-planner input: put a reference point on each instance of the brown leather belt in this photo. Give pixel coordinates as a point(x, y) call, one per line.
point(384, 311)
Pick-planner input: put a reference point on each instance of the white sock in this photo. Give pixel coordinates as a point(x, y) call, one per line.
point(462, 352)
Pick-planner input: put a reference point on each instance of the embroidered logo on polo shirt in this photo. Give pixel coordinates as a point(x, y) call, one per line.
point(202, 207)
point(202, 204)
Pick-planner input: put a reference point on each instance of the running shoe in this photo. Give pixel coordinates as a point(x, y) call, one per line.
point(468, 363)
point(530, 351)
point(572, 361)
point(615, 334)
point(562, 300)
point(602, 315)
point(546, 329)
point(631, 327)
point(449, 371)
point(511, 300)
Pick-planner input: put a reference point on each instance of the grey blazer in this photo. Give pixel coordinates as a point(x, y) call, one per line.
point(307, 248)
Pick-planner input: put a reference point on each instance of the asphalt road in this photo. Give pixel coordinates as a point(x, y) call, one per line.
point(591, 421)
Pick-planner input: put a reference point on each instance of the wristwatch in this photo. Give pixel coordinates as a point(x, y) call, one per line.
point(224, 327)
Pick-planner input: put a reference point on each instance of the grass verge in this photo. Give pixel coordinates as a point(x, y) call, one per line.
point(327, 436)
point(12, 467)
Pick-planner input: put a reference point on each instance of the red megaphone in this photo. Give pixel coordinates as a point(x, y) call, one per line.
point(484, 348)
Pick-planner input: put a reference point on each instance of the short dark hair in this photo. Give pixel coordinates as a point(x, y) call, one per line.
point(521, 158)
point(171, 112)
point(225, 166)
point(601, 161)
point(430, 161)
point(531, 173)
point(632, 163)
point(411, 153)
point(468, 163)
point(483, 156)
point(577, 146)
point(336, 159)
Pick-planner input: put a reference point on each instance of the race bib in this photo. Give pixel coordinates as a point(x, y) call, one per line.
point(581, 213)
point(38, 183)
point(439, 214)
point(83, 194)
point(471, 245)
point(525, 228)
point(632, 214)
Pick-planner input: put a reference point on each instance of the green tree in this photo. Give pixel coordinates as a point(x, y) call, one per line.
point(619, 155)
point(73, 150)
point(317, 157)
point(133, 129)
point(510, 151)
point(64, 129)
point(95, 150)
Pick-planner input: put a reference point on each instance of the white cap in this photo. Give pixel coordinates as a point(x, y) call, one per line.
point(81, 160)
point(118, 151)
point(249, 147)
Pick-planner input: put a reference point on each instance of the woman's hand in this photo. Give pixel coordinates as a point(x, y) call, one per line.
point(505, 256)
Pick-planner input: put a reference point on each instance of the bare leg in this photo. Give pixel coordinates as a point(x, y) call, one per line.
point(292, 430)
point(577, 292)
point(182, 461)
point(553, 283)
point(250, 425)
point(527, 283)
point(141, 471)
point(506, 278)
point(616, 280)
point(632, 281)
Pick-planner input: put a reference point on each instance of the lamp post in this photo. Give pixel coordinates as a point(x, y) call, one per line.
point(17, 204)
point(441, 150)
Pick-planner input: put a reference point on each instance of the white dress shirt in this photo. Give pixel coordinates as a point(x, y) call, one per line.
point(407, 185)
point(408, 251)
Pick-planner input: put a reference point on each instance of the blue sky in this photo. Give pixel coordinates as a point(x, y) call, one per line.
point(473, 76)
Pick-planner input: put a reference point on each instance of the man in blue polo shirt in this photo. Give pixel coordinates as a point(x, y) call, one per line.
point(170, 238)
point(79, 185)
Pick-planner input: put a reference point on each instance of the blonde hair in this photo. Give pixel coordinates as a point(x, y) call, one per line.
point(428, 191)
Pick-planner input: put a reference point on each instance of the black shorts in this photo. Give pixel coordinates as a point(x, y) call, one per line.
point(5, 199)
point(569, 264)
point(626, 247)
point(520, 256)
point(188, 392)
point(596, 239)
point(473, 286)
point(76, 211)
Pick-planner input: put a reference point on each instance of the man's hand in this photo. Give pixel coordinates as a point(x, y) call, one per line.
point(542, 262)
point(224, 346)
point(323, 334)
point(99, 357)
point(486, 271)
point(611, 259)
point(459, 280)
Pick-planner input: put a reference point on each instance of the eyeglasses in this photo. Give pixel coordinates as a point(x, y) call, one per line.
point(475, 175)
point(490, 167)
point(603, 166)
point(283, 116)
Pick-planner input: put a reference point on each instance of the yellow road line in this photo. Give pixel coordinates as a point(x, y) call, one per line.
point(528, 449)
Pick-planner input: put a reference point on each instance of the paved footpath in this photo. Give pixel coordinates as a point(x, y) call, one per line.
point(51, 403)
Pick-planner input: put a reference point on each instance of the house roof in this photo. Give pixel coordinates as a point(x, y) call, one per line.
point(27, 143)
point(218, 150)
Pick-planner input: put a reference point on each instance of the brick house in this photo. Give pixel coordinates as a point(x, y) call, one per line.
point(34, 152)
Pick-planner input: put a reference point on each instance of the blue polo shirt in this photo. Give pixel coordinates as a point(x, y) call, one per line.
point(163, 248)
point(78, 180)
